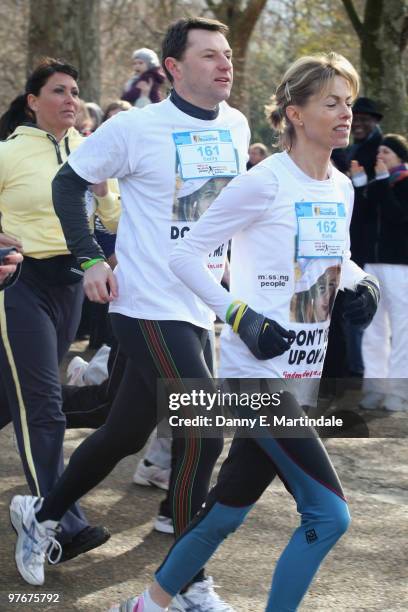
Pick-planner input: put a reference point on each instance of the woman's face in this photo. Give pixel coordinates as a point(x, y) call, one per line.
point(325, 120)
point(386, 155)
point(57, 103)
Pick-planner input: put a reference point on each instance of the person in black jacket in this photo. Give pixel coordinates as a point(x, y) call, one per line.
point(344, 357)
point(384, 209)
point(367, 138)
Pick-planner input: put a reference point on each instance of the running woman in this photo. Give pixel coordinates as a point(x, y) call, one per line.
point(168, 157)
point(277, 215)
point(39, 314)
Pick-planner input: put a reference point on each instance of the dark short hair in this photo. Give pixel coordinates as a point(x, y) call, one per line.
point(175, 40)
point(18, 111)
point(44, 70)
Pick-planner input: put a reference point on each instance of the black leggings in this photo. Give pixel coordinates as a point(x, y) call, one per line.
point(168, 349)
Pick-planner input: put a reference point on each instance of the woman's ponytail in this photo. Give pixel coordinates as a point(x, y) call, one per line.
point(16, 114)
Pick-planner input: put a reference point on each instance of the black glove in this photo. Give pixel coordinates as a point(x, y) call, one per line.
point(361, 304)
point(264, 338)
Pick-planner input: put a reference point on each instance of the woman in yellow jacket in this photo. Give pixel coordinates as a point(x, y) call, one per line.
point(39, 314)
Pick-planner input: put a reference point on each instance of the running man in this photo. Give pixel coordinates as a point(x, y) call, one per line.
point(277, 215)
point(160, 154)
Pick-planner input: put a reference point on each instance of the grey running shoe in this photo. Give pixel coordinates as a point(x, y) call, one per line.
point(151, 476)
point(134, 604)
point(200, 597)
point(164, 524)
point(35, 540)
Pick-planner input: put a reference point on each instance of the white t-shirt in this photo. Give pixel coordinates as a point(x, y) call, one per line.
point(162, 198)
point(270, 212)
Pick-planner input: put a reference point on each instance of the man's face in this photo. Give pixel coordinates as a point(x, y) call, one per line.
point(362, 125)
point(204, 74)
point(256, 155)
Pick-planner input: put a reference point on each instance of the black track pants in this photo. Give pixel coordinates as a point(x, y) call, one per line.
point(38, 324)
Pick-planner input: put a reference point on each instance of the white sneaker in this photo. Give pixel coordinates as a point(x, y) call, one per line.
point(34, 539)
point(164, 524)
point(200, 597)
point(151, 475)
point(395, 403)
point(134, 604)
point(372, 400)
point(75, 371)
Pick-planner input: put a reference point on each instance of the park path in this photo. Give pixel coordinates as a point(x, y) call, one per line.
point(367, 570)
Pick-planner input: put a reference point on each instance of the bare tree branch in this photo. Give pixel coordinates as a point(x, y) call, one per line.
point(353, 16)
point(246, 19)
point(373, 14)
point(253, 10)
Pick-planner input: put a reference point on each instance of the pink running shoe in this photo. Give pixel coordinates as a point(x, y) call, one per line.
point(134, 604)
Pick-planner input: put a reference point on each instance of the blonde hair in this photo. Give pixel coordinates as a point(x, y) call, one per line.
point(304, 78)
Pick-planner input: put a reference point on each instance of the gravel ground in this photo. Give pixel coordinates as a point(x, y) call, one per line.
point(367, 570)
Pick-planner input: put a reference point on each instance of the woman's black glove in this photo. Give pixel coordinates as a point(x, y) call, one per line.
point(264, 337)
point(362, 303)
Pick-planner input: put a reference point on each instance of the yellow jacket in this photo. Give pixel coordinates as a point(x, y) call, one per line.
point(29, 160)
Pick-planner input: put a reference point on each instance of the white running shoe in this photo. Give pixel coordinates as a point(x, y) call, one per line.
point(164, 524)
point(134, 604)
point(151, 476)
point(372, 401)
point(395, 403)
point(200, 597)
point(34, 540)
point(75, 371)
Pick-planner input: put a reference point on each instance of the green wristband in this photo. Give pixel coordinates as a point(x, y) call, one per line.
point(91, 262)
point(233, 307)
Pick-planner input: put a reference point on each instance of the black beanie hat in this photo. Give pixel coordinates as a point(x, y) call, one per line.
point(398, 144)
point(367, 107)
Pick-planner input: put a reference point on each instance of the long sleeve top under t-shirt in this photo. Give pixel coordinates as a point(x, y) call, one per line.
point(257, 210)
point(160, 204)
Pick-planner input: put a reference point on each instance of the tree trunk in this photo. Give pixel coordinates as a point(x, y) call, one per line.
point(383, 38)
point(68, 29)
point(241, 22)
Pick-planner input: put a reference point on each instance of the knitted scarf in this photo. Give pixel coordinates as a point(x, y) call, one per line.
point(398, 173)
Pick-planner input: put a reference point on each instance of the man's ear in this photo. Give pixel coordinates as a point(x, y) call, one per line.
point(173, 67)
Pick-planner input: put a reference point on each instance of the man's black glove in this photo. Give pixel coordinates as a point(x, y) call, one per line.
point(264, 338)
point(362, 303)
